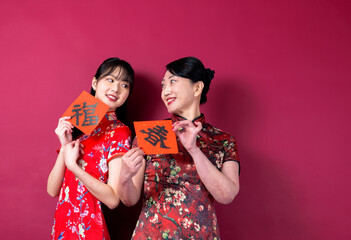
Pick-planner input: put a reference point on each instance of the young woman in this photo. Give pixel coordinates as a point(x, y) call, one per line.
point(180, 189)
point(87, 168)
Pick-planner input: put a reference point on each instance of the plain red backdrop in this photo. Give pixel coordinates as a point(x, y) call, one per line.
point(281, 87)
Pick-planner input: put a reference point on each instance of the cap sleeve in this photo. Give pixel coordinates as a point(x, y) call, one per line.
point(120, 143)
point(231, 151)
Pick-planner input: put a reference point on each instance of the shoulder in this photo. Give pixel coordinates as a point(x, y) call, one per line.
point(216, 132)
point(120, 130)
point(122, 127)
point(225, 139)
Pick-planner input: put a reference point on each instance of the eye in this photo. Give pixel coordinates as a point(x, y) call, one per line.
point(110, 80)
point(125, 85)
point(173, 81)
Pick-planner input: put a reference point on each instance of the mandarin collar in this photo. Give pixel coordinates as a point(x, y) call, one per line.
point(111, 115)
point(176, 118)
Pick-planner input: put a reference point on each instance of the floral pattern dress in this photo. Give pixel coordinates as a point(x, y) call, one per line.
point(176, 204)
point(78, 213)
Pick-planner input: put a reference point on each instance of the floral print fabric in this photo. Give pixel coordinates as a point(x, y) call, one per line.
point(78, 213)
point(176, 204)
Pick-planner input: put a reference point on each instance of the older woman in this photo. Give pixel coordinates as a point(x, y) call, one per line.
point(180, 189)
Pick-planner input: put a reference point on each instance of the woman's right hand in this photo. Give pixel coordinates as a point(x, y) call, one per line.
point(64, 131)
point(71, 152)
point(132, 162)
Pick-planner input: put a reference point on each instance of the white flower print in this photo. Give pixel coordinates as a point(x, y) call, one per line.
point(82, 164)
point(103, 165)
point(187, 223)
point(60, 197)
point(67, 194)
point(179, 197)
point(112, 149)
point(85, 213)
point(154, 219)
point(197, 227)
point(81, 230)
point(80, 187)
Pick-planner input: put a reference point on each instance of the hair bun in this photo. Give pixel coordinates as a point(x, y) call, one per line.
point(210, 74)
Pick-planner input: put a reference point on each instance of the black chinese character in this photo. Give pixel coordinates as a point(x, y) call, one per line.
point(88, 110)
point(156, 134)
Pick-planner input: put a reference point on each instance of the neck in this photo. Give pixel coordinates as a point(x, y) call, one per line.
point(190, 114)
point(111, 113)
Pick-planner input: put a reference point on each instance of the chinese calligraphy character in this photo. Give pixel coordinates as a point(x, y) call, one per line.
point(88, 111)
point(156, 134)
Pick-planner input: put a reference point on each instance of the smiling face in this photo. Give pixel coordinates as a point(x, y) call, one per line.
point(180, 95)
point(112, 89)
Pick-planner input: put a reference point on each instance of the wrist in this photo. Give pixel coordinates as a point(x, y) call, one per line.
point(193, 150)
point(125, 178)
point(72, 166)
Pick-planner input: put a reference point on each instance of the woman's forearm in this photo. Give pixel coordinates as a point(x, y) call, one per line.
point(129, 188)
point(224, 185)
point(102, 191)
point(128, 192)
point(56, 176)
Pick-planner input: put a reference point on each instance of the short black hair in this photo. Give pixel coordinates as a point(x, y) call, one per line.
point(193, 69)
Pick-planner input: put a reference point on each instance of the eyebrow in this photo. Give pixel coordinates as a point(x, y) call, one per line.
point(115, 77)
point(169, 77)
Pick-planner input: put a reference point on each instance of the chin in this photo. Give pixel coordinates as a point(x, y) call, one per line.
point(170, 110)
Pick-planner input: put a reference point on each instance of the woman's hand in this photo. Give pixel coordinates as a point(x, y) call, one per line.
point(132, 162)
point(187, 133)
point(71, 152)
point(64, 131)
point(131, 176)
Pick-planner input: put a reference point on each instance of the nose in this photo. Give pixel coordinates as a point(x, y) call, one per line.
point(166, 90)
point(115, 87)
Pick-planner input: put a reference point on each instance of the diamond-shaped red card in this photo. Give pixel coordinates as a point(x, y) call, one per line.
point(86, 112)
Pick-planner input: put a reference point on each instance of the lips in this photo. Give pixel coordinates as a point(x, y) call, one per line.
point(170, 100)
point(111, 97)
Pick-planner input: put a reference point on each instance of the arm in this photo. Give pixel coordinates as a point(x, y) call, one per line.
point(223, 185)
point(106, 193)
point(64, 133)
point(56, 175)
point(132, 176)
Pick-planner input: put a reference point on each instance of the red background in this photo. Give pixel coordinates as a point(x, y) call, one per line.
point(281, 87)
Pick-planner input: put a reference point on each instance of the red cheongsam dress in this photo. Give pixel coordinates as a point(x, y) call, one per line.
point(78, 213)
point(176, 204)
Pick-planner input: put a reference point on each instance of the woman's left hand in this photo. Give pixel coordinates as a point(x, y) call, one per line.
point(187, 133)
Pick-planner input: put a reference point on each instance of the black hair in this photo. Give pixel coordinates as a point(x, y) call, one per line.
point(193, 69)
point(126, 73)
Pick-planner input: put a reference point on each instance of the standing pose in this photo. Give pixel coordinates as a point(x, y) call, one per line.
point(87, 168)
point(180, 189)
